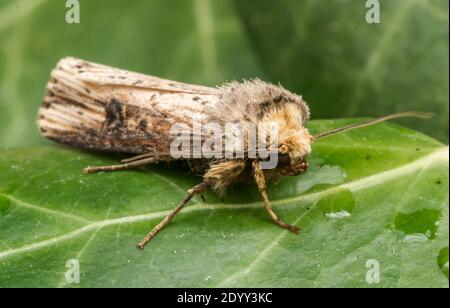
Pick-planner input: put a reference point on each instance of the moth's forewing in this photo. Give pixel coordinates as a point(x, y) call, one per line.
point(98, 107)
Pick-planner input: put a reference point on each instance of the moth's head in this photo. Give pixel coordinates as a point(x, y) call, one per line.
point(294, 140)
point(293, 150)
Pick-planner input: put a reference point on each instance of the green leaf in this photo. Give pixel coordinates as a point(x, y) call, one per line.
point(346, 67)
point(378, 194)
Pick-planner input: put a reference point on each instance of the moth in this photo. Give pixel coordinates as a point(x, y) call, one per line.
point(101, 108)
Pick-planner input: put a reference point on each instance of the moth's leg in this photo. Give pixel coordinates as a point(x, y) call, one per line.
point(198, 189)
point(261, 183)
point(138, 157)
point(125, 166)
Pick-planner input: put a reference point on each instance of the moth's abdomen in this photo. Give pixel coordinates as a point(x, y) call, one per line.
point(97, 107)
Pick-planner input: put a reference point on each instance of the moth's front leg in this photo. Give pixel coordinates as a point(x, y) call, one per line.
point(261, 183)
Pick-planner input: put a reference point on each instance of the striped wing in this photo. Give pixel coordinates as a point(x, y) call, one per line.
point(98, 107)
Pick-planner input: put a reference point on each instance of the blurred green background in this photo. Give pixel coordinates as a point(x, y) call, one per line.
point(324, 50)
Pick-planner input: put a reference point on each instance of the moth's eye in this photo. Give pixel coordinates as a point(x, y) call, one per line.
point(283, 161)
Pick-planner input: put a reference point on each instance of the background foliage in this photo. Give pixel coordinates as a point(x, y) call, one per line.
point(323, 50)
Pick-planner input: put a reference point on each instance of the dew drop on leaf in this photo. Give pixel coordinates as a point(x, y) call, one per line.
point(339, 205)
point(423, 222)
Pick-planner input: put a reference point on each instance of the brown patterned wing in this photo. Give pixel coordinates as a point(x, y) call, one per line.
point(97, 107)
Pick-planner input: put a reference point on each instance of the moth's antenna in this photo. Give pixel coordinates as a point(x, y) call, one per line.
point(412, 114)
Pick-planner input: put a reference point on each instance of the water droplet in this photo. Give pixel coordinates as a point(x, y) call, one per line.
point(443, 261)
point(423, 222)
point(325, 175)
point(207, 278)
point(415, 238)
point(339, 205)
point(338, 215)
